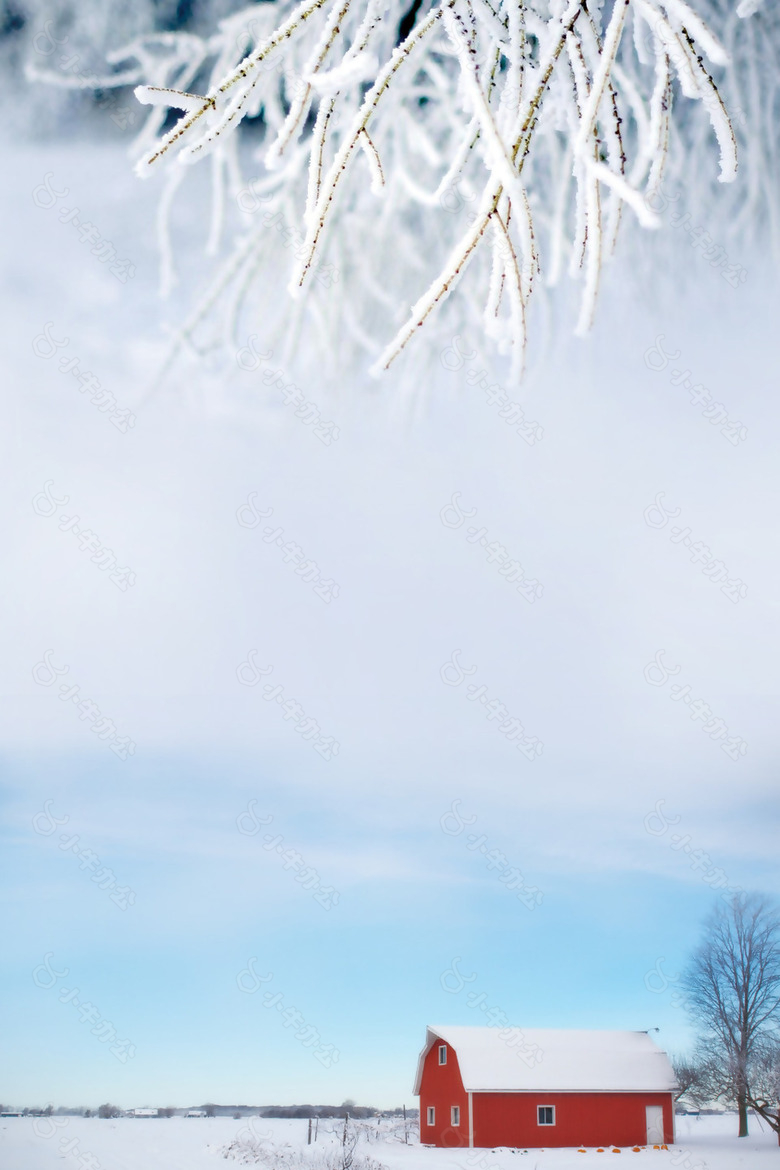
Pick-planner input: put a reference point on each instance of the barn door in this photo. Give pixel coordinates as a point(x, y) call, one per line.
point(655, 1124)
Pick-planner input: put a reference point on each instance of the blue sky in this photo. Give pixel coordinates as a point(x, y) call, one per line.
point(160, 659)
point(368, 974)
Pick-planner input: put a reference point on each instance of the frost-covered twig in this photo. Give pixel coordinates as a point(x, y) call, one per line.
point(505, 137)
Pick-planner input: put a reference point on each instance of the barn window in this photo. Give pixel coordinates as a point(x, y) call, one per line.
point(431, 1115)
point(545, 1115)
point(442, 1054)
point(455, 1115)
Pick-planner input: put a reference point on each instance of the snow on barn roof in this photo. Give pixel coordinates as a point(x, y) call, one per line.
point(490, 1060)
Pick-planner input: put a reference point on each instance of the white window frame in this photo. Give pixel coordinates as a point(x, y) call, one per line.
point(545, 1123)
point(431, 1115)
point(442, 1054)
point(455, 1115)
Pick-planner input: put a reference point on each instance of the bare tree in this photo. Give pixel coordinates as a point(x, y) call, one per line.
point(733, 986)
point(109, 1110)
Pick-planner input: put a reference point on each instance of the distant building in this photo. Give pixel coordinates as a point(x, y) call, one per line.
point(488, 1087)
point(195, 1113)
point(143, 1113)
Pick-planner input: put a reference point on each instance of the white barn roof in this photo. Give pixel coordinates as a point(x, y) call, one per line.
point(571, 1061)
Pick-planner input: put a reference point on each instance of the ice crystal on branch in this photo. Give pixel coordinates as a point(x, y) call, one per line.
point(488, 145)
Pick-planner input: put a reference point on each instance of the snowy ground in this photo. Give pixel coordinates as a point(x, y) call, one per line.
point(196, 1144)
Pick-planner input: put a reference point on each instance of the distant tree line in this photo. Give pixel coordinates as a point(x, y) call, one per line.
point(346, 1109)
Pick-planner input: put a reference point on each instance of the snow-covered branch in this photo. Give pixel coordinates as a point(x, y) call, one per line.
point(494, 141)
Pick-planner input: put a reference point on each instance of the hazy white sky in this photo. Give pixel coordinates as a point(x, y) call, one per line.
point(160, 660)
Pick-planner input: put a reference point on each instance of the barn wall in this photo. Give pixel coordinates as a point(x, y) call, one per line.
point(442, 1087)
point(587, 1119)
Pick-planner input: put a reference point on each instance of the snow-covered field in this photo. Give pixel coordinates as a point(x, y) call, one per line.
point(196, 1144)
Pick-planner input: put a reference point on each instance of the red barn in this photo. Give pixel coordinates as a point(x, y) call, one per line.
point(543, 1087)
